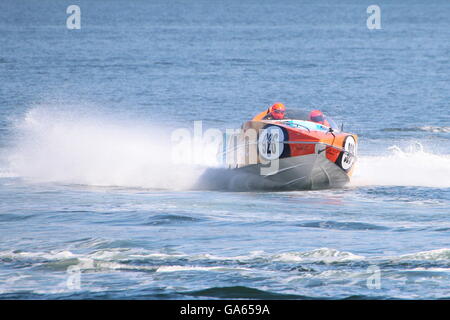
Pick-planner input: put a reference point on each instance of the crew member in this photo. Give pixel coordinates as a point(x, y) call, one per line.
point(318, 116)
point(276, 112)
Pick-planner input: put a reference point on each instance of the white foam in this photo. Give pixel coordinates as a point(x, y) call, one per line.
point(252, 255)
point(197, 268)
point(435, 129)
point(326, 255)
point(88, 264)
point(429, 270)
point(5, 173)
point(410, 167)
point(437, 254)
point(52, 255)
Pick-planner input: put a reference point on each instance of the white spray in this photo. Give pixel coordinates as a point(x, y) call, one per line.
point(75, 148)
point(410, 167)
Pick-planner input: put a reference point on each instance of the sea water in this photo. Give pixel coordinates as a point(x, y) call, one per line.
point(92, 204)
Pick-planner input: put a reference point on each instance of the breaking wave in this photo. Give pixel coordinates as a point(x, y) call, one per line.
point(143, 260)
point(316, 268)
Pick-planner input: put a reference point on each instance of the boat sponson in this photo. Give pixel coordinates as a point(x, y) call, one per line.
point(302, 172)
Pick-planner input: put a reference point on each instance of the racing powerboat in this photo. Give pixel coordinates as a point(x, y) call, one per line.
point(290, 154)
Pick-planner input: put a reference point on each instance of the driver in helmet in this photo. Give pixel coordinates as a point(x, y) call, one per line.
point(318, 117)
point(276, 112)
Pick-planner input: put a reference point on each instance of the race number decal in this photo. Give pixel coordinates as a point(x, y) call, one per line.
point(348, 157)
point(270, 143)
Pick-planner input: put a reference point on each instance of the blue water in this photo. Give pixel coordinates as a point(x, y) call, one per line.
point(88, 190)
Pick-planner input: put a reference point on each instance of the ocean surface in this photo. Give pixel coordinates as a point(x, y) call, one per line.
point(93, 205)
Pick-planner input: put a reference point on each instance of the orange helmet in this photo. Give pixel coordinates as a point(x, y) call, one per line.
point(319, 117)
point(277, 110)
